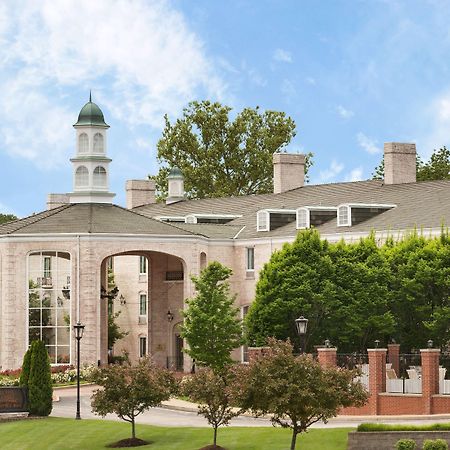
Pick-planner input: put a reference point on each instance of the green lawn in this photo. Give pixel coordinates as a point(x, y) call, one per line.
point(56, 433)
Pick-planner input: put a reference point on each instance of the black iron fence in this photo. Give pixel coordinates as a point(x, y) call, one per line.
point(352, 360)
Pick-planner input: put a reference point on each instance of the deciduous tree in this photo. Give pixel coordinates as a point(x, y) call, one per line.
point(219, 156)
point(296, 390)
point(211, 324)
point(130, 390)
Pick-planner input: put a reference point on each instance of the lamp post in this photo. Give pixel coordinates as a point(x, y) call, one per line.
point(79, 329)
point(302, 325)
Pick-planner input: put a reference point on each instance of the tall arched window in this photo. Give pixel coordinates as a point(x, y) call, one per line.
point(98, 143)
point(81, 177)
point(83, 143)
point(99, 176)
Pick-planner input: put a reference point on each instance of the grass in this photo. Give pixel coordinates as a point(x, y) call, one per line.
point(57, 434)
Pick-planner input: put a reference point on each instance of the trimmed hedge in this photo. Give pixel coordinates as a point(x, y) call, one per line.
point(406, 444)
point(384, 427)
point(437, 444)
point(26, 365)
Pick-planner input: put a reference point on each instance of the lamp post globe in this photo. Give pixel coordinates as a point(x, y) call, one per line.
point(301, 325)
point(79, 330)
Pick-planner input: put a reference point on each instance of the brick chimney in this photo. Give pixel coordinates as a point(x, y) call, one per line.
point(288, 171)
point(399, 163)
point(57, 200)
point(140, 192)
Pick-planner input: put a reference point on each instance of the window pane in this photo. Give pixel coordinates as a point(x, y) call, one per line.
point(63, 336)
point(63, 355)
point(250, 258)
point(48, 336)
point(34, 334)
point(142, 265)
point(142, 305)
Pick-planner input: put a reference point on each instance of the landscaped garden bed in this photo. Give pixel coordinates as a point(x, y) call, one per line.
point(370, 436)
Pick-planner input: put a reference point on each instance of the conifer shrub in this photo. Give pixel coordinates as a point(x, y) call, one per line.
point(25, 373)
point(40, 382)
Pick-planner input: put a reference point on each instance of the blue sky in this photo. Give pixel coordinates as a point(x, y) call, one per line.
point(351, 73)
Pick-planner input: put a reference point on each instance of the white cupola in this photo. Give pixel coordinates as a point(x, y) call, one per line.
point(91, 164)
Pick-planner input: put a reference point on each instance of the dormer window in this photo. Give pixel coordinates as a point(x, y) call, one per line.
point(211, 218)
point(350, 214)
point(98, 143)
point(83, 143)
point(314, 216)
point(271, 219)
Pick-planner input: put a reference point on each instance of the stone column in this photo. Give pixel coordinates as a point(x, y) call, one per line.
point(327, 356)
point(430, 376)
point(394, 357)
point(377, 376)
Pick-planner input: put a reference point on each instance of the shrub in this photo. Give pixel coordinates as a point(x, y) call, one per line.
point(40, 383)
point(25, 374)
point(438, 444)
point(405, 444)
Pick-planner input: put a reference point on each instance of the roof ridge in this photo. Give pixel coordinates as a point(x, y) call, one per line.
point(39, 216)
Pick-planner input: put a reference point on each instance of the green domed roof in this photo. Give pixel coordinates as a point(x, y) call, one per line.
point(91, 114)
point(175, 172)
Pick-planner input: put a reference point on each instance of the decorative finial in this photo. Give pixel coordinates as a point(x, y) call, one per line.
point(90, 96)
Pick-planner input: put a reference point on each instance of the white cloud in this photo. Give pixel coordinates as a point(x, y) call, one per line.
point(344, 113)
point(355, 174)
point(332, 171)
point(140, 58)
point(310, 80)
point(288, 89)
point(256, 78)
point(368, 144)
point(282, 55)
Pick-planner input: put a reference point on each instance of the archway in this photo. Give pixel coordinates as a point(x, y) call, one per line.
point(145, 294)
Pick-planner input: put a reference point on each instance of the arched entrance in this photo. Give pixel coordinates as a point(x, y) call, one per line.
point(142, 294)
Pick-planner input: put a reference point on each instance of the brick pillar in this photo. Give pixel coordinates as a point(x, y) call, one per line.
point(255, 352)
point(394, 357)
point(430, 376)
point(327, 356)
point(377, 376)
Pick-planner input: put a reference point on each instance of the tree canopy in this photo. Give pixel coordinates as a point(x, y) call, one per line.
point(436, 168)
point(219, 156)
point(211, 324)
point(7, 218)
point(355, 293)
point(295, 390)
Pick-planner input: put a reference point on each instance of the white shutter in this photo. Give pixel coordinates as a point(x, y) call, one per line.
point(262, 221)
point(344, 217)
point(302, 218)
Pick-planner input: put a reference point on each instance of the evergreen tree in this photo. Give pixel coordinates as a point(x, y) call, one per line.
point(26, 365)
point(40, 382)
point(211, 325)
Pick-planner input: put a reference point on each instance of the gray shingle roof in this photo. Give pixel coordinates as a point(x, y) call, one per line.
point(422, 205)
point(89, 218)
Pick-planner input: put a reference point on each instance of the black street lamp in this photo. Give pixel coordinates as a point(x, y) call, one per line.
point(79, 329)
point(302, 325)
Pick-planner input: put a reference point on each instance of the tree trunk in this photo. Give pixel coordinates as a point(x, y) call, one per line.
point(215, 435)
point(294, 439)
point(133, 428)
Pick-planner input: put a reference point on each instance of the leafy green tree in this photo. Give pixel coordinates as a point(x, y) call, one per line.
point(211, 325)
point(420, 287)
point(40, 389)
point(295, 390)
point(215, 393)
point(436, 168)
point(7, 218)
point(220, 157)
point(130, 390)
